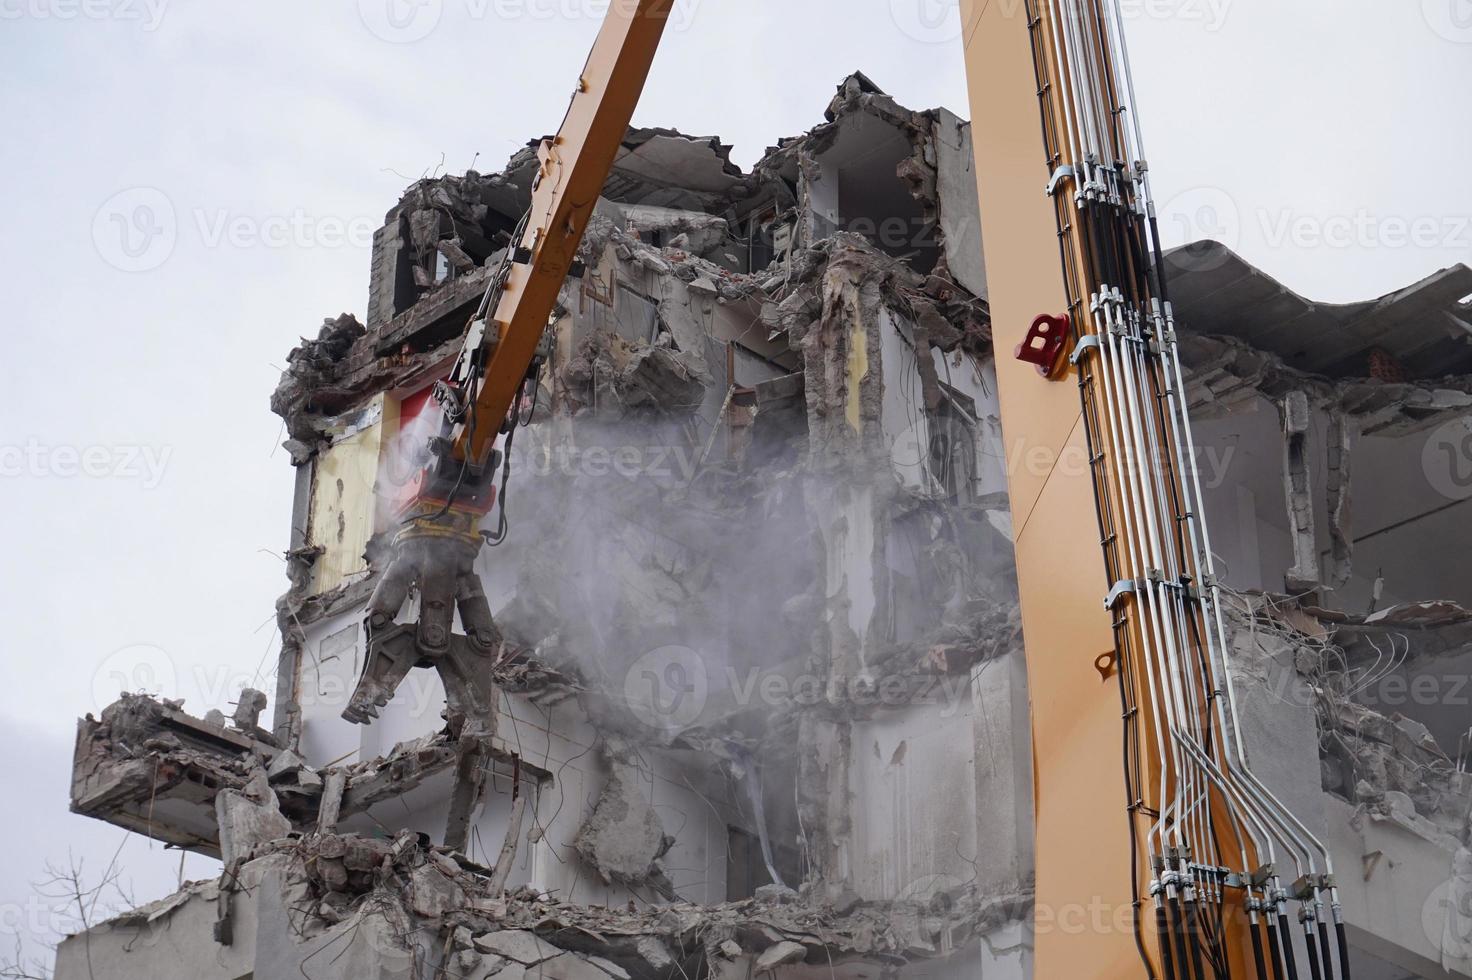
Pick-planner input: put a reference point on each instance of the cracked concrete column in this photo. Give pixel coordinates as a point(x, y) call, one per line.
point(1343, 429)
point(1298, 484)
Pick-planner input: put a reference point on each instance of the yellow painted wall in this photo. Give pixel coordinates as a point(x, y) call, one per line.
point(344, 511)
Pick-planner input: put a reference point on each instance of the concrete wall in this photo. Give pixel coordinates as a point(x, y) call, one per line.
point(1401, 899)
point(691, 799)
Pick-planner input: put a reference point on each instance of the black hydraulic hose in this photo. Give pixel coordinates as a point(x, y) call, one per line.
point(1179, 935)
point(1290, 959)
point(1274, 947)
point(1343, 947)
point(1262, 969)
point(1328, 957)
point(1167, 957)
point(1313, 951)
point(1193, 935)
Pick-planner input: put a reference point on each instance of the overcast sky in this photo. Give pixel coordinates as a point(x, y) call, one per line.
point(191, 186)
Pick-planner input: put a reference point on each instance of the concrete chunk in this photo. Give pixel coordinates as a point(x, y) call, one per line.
point(521, 947)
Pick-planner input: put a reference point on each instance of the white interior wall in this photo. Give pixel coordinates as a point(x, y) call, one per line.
point(692, 801)
point(914, 791)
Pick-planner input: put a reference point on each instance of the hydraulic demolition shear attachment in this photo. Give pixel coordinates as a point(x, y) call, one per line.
point(434, 554)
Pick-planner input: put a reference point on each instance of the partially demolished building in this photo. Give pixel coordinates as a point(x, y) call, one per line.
point(758, 704)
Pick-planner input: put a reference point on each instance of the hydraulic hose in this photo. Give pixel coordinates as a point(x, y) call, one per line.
point(1313, 951)
point(1193, 935)
point(1290, 959)
point(1178, 937)
point(1162, 928)
point(1327, 957)
point(1256, 929)
point(1275, 948)
point(1343, 946)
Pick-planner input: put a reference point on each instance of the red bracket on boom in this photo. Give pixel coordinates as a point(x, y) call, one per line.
point(1045, 343)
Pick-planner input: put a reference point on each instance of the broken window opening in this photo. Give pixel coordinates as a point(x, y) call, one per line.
point(952, 451)
point(859, 190)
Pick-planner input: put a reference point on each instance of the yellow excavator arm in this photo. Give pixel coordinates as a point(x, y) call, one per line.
point(1144, 798)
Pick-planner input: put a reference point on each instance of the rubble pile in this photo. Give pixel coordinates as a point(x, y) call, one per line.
point(434, 908)
point(1390, 765)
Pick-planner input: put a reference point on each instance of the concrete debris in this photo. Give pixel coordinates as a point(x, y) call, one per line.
point(249, 818)
point(398, 895)
point(520, 947)
point(143, 753)
point(780, 954)
point(623, 839)
point(1425, 326)
point(311, 381)
point(1388, 763)
point(433, 894)
point(1226, 375)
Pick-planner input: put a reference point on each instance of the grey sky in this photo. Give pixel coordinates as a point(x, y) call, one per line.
point(1325, 139)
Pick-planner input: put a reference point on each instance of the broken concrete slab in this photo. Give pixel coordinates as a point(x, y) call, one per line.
point(521, 947)
point(780, 954)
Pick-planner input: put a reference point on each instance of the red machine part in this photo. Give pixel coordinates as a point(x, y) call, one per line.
point(1044, 343)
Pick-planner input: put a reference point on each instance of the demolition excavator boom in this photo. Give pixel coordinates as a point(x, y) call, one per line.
point(1145, 799)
